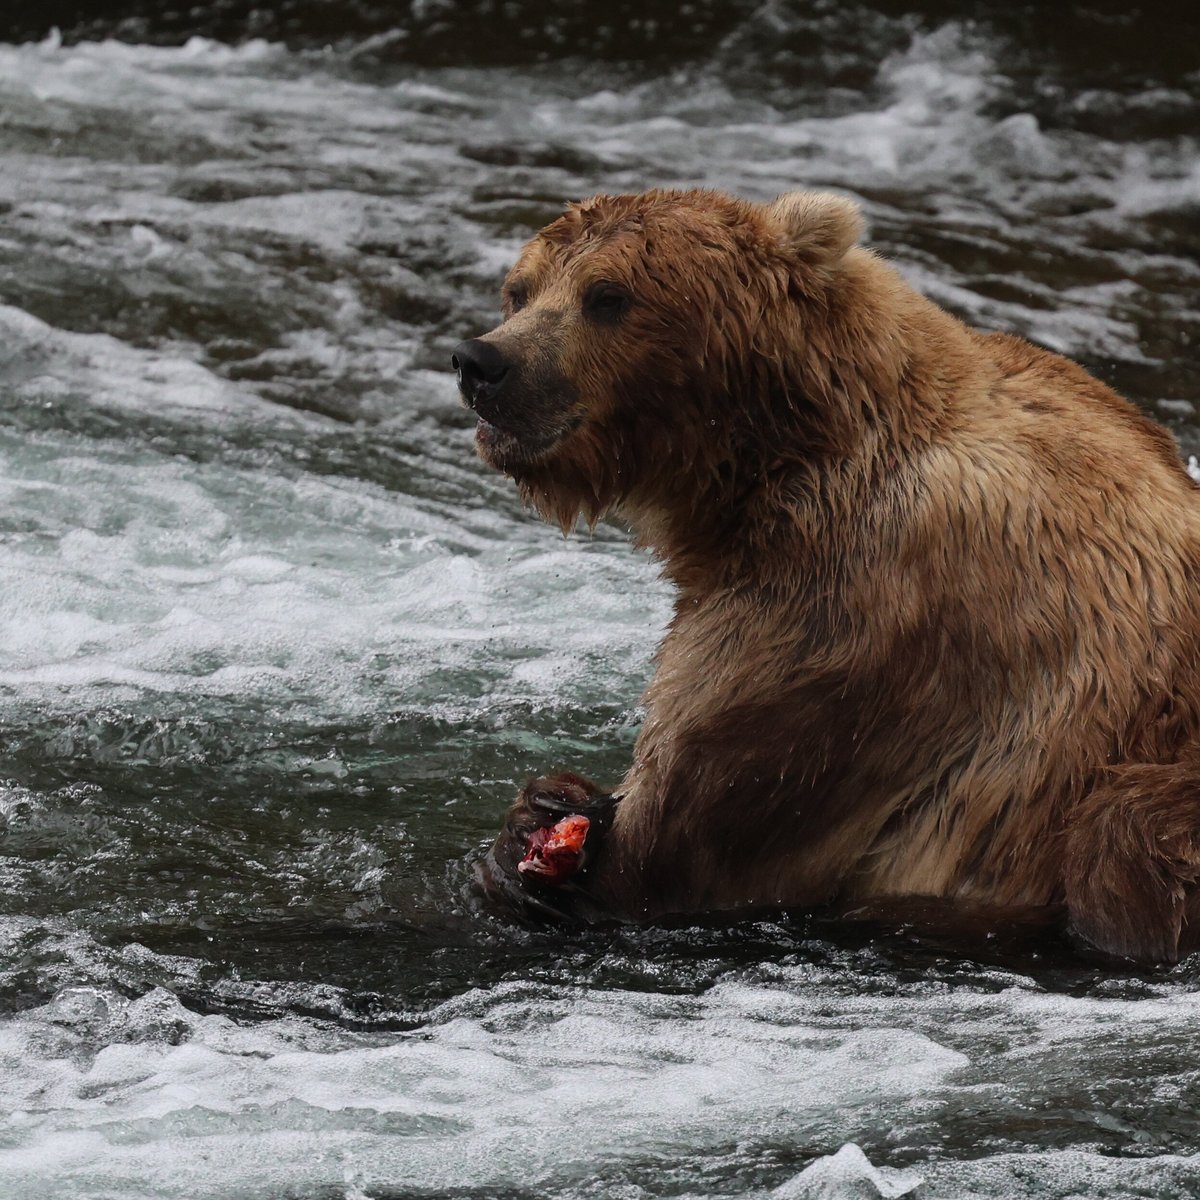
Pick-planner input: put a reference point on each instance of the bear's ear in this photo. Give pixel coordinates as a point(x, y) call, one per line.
point(818, 227)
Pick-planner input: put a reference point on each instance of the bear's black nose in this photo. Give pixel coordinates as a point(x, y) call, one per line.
point(481, 369)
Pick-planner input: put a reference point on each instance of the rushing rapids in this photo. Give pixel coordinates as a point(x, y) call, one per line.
point(276, 651)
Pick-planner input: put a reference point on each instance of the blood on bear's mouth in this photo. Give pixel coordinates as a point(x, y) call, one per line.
point(495, 445)
point(487, 433)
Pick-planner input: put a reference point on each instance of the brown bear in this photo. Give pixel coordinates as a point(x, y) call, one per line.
point(936, 629)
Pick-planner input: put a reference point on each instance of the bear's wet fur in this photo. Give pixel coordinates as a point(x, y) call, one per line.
point(936, 629)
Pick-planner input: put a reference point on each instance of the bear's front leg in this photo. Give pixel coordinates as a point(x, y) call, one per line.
point(550, 844)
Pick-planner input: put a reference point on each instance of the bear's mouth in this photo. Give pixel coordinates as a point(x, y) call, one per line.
point(504, 449)
point(490, 438)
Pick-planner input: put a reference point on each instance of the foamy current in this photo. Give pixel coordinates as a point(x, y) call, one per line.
point(276, 651)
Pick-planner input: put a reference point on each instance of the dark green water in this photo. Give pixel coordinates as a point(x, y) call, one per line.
point(276, 651)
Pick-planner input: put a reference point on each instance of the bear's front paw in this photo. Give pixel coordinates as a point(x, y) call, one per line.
point(552, 835)
point(556, 824)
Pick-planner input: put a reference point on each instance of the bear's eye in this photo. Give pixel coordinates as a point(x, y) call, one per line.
point(516, 296)
point(606, 301)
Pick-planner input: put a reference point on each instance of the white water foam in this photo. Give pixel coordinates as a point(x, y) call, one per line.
point(503, 1088)
point(39, 363)
point(499, 1090)
point(202, 579)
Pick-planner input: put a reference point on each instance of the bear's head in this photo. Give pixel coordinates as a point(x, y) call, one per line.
point(644, 337)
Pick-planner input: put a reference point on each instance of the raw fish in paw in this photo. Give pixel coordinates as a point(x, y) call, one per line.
point(555, 852)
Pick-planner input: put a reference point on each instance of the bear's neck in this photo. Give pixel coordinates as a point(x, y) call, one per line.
point(873, 375)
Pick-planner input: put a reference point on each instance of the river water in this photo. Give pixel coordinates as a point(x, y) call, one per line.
point(277, 651)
